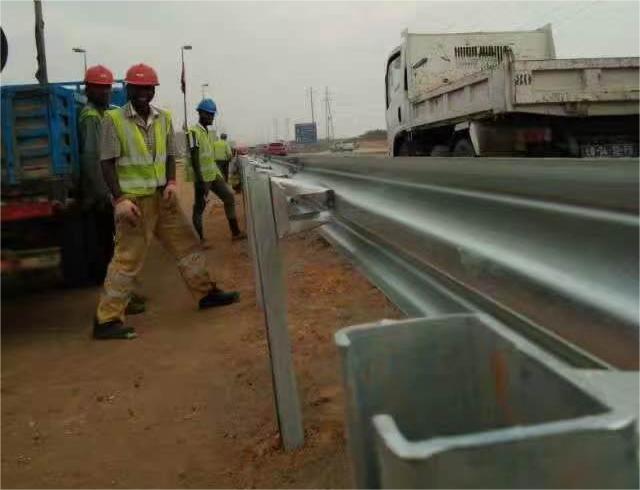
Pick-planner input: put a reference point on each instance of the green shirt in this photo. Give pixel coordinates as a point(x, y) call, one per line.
point(94, 189)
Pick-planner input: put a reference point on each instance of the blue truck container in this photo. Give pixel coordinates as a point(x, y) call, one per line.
point(39, 140)
point(42, 225)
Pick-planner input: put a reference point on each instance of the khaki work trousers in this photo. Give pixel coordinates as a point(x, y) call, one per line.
point(166, 221)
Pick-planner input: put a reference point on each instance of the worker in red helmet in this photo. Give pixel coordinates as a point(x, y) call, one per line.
point(95, 197)
point(138, 162)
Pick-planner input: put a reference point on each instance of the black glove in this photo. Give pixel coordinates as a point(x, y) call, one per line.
point(201, 186)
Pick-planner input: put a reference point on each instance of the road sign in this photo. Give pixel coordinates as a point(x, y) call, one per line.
point(306, 133)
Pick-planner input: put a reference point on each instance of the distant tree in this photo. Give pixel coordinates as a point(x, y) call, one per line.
point(373, 134)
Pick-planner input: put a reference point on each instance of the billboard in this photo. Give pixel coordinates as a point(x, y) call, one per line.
point(306, 133)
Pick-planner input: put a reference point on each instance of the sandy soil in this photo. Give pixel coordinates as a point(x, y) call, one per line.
point(189, 403)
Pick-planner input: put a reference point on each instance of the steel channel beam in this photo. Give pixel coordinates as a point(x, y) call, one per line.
point(271, 288)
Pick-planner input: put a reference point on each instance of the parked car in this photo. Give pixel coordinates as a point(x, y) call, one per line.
point(240, 150)
point(343, 146)
point(277, 149)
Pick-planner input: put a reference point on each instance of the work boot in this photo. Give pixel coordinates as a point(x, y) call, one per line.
point(236, 234)
point(218, 297)
point(136, 305)
point(114, 329)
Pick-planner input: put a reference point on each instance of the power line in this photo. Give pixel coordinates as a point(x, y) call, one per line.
point(544, 14)
point(589, 6)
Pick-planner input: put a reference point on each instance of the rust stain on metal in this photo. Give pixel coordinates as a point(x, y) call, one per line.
point(501, 385)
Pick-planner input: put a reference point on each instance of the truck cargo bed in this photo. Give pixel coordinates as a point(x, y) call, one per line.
point(560, 87)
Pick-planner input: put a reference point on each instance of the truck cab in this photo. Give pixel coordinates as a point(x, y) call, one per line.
point(396, 100)
point(506, 94)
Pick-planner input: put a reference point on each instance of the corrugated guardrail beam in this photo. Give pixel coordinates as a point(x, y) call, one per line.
point(549, 247)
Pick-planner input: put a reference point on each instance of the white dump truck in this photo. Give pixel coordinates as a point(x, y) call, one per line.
point(506, 94)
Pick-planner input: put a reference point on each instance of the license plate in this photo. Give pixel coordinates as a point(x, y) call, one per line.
point(609, 150)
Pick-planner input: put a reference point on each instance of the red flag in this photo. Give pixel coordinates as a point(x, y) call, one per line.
point(183, 81)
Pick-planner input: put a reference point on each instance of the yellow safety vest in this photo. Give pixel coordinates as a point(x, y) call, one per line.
point(208, 167)
point(221, 150)
point(139, 174)
point(89, 111)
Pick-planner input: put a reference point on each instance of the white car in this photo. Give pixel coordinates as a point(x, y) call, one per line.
point(343, 146)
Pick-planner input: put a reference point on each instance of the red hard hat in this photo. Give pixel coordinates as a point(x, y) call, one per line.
point(98, 75)
point(141, 74)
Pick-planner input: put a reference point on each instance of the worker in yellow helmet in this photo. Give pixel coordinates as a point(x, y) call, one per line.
point(138, 163)
point(205, 174)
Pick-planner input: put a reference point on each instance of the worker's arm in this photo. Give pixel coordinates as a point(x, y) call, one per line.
point(229, 152)
point(94, 189)
point(109, 153)
point(110, 175)
point(124, 208)
point(171, 154)
point(195, 158)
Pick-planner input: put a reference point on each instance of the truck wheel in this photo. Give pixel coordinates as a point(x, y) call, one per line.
point(464, 148)
point(440, 151)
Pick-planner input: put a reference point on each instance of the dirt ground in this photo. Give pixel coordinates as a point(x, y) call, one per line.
point(189, 402)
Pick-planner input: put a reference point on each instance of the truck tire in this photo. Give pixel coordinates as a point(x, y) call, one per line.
point(440, 151)
point(464, 148)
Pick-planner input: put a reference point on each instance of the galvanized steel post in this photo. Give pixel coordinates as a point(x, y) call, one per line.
point(270, 288)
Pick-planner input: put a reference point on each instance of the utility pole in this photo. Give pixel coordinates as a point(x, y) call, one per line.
point(287, 124)
point(313, 119)
point(41, 74)
point(326, 111)
point(328, 115)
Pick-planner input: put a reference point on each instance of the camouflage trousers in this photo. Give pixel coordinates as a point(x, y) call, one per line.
point(165, 221)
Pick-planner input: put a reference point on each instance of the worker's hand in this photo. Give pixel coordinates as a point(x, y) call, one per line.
point(170, 191)
point(128, 211)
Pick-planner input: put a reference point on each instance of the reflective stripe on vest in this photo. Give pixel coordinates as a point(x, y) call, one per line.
point(208, 167)
point(140, 174)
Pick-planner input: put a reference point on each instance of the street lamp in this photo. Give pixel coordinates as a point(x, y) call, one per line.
point(203, 86)
point(183, 83)
point(184, 48)
point(84, 54)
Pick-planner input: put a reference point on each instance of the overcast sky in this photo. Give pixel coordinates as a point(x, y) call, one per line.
point(260, 58)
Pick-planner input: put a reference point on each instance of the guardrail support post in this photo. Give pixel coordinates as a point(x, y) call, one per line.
point(270, 289)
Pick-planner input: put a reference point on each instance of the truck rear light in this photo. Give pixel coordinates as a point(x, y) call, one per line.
point(25, 210)
point(535, 135)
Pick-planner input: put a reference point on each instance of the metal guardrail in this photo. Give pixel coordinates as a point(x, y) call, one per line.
point(541, 249)
point(547, 246)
